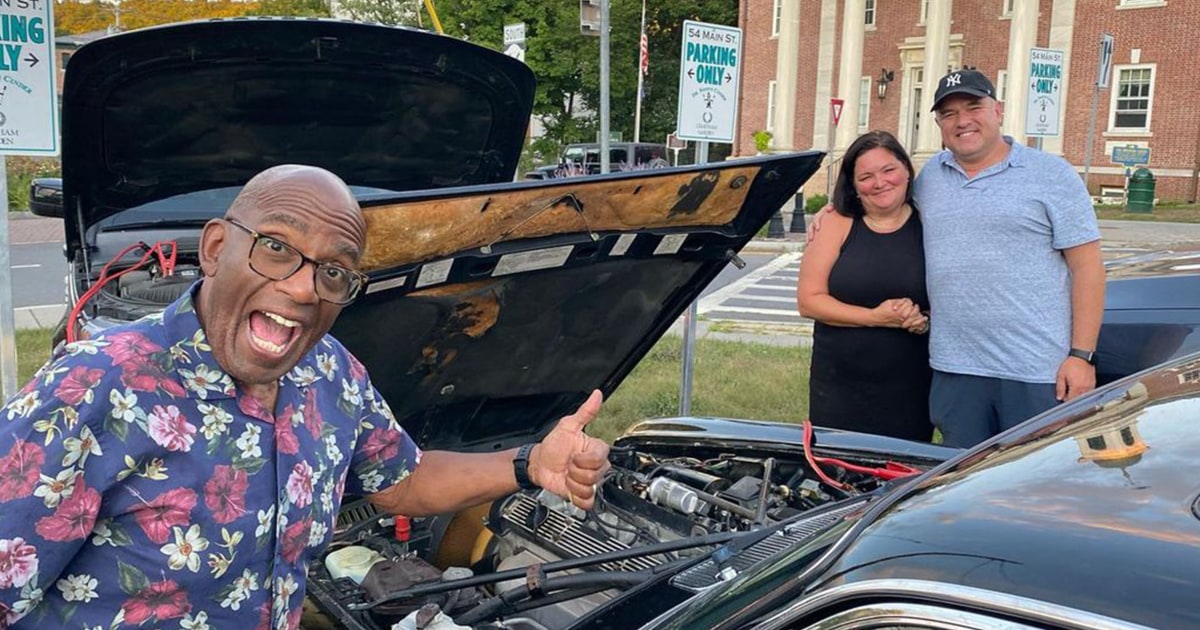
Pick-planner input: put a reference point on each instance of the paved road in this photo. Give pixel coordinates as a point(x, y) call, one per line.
point(38, 272)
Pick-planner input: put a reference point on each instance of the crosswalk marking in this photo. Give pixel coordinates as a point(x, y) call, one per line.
point(764, 297)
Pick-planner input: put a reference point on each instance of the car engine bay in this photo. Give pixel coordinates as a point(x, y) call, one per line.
point(537, 562)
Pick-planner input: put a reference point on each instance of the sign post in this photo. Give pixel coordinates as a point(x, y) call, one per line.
point(709, 79)
point(514, 41)
point(1044, 102)
point(1103, 69)
point(675, 144)
point(28, 126)
point(835, 116)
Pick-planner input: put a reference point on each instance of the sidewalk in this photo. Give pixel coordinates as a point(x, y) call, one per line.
point(25, 229)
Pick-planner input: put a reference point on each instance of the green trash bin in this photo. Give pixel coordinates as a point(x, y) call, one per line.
point(1139, 197)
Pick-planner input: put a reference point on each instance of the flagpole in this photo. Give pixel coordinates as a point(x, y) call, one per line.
point(637, 114)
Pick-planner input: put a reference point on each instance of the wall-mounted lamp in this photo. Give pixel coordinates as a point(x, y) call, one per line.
point(885, 77)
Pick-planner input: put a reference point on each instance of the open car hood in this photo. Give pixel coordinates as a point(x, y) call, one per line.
point(494, 311)
point(198, 106)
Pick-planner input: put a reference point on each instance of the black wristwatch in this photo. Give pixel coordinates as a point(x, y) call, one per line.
point(1086, 355)
point(521, 468)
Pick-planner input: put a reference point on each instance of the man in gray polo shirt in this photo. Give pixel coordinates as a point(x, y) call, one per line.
point(1013, 267)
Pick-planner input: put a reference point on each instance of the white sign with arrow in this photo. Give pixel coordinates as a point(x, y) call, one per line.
point(709, 76)
point(1045, 92)
point(28, 92)
point(1107, 44)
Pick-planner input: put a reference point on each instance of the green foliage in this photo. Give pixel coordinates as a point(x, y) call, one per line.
point(21, 173)
point(762, 140)
point(814, 203)
point(399, 12)
point(566, 63)
point(295, 8)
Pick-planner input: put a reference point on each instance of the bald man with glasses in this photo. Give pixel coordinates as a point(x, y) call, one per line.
point(185, 469)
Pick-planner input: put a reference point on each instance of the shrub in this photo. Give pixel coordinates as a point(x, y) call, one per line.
point(762, 140)
point(22, 171)
point(813, 204)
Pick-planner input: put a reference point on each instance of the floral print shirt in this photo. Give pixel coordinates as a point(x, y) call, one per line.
point(140, 487)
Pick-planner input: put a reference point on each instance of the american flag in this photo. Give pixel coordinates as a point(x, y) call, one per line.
point(644, 59)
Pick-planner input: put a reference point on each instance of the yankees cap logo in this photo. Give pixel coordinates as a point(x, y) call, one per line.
point(954, 79)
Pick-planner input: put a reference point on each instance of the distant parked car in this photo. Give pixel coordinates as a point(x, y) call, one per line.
point(542, 172)
point(623, 156)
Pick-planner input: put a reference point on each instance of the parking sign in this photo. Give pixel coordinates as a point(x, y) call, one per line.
point(709, 76)
point(28, 94)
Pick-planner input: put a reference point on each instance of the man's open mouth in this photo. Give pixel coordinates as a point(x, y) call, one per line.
point(272, 332)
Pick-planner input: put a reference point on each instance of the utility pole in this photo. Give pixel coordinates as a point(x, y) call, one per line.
point(604, 86)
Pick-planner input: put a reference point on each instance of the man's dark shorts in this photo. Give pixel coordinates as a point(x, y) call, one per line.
point(969, 409)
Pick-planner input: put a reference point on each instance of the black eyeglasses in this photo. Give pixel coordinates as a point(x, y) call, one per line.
point(274, 259)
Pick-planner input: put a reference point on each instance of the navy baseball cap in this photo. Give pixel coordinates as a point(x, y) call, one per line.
point(966, 81)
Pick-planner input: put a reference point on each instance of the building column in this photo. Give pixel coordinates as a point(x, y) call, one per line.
point(786, 70)
point(937, 56)
point(1062, 35)
point(850, 70)
point(1022, 35)
point(823, 90)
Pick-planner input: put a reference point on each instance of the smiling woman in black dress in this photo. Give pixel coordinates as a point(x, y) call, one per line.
point(863, 282)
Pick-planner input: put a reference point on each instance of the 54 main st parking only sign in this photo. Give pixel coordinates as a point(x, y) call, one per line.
point(709, 76)
point(28, 94)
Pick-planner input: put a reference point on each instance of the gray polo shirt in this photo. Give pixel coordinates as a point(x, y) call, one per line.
point(999, 287)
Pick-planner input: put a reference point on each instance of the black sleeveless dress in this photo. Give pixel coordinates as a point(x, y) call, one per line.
point(874, 380)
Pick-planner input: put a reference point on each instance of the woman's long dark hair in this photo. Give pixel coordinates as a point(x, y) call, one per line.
point(845, 197)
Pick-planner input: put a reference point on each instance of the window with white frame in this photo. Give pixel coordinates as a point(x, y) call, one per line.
point(869, 13)
point(1007, 9)
point(1002, 86)
point(776, 17)
point(771, 106)
point(924, 11)
point(1132, 99)
point(864, 103)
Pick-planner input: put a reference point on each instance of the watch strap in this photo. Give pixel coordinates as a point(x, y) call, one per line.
point(1086, 355)
point(521, 468)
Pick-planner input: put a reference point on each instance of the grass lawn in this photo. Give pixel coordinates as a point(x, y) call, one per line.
point(33, 348)
point(1171, 213)
point(730, 379)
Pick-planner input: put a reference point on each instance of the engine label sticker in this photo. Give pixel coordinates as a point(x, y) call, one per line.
point(531, 261)
point(383, 285)
point(434, 273)
point(622, 244)
point(670, 244)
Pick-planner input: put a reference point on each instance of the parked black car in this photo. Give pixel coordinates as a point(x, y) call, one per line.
point(494, 307)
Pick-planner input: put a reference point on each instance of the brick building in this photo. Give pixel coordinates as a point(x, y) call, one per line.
point(883, 58)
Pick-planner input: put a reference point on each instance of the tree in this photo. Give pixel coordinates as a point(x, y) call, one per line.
point(567, 64)
point(76, 16)
point(399, 12)
point(298, 8)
